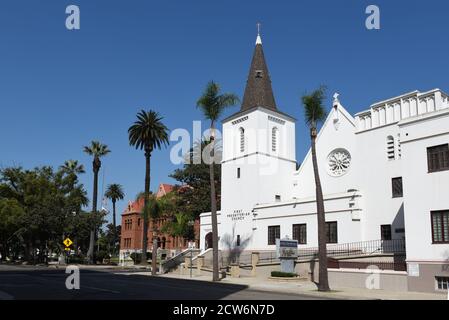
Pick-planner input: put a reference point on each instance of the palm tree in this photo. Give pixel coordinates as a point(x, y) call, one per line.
point(178, 227)
point(114, 192)
point(72, 167)
point(148, 133)
point(97, 150)
point(314, 114)
point(213, 104)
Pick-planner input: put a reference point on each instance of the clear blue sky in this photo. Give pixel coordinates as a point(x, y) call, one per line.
point(60, 89)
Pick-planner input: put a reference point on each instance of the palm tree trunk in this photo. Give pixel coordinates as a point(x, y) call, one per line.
point(90, 252)
point(113, 215)
point(323, 284)
point(115, 226)
point(143, 261)
point(154, 252)
point(213, 209)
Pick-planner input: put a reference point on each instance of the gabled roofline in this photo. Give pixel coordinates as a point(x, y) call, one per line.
point(273, 112)
point(347, 116)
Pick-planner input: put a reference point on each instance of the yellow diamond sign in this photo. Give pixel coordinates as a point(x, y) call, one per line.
point(67, 242)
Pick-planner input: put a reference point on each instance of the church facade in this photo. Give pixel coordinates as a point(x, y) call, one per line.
point(384, 173)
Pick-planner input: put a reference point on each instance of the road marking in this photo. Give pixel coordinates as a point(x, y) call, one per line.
point(5, 296)
point(100, 289)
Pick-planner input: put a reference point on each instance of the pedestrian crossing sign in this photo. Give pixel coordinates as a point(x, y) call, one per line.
point(67, 242)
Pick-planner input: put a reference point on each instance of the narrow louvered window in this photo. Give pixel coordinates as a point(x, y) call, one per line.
point(242, 140)
point(390, 148)
point(274, 139)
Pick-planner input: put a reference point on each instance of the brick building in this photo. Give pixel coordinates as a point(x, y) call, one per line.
point(132, 225)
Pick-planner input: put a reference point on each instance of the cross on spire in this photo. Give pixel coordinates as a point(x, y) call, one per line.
point(259, 39)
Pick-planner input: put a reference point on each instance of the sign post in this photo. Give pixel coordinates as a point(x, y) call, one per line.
point(67, 242)
point(287, 252)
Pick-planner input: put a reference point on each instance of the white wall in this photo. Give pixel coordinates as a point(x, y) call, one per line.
point(304, 211)
point(424, 192)
point(333, 135)
point(264, 173)
point(206, 226)
point(374, 174)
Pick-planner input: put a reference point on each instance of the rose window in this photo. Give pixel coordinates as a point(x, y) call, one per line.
point(338, 162)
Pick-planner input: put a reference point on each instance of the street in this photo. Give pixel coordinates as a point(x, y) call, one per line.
point(41, 283)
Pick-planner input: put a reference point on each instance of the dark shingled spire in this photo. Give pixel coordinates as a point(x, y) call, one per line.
point(258, 91)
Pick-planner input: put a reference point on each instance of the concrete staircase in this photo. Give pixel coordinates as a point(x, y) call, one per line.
point(172, 263)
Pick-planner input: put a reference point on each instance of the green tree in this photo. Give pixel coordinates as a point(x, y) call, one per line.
point(114, 192)
point(97, 150)
point(193, 196)
point(11, 215)
point(148, 133)
point(177, 219)
point(213, 104)
point(179, 226)
point(107, 242)
point(315, 113)
point(37, 208)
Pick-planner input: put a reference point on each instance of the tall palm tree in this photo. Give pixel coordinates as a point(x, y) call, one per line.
point(314, 114)
point(148, 133)
point(213, 104)
point(96, 150)
point(114, 192)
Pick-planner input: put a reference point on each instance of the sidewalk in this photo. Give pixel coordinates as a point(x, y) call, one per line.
point(305, 287)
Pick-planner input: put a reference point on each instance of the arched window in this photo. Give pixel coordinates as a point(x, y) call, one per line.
point(274, 139)
point(390, 148)
point(242, 140)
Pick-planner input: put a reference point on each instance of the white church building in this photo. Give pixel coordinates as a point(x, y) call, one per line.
point(384, 173)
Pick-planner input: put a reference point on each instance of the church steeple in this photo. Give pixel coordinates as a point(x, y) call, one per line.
point(258, 91)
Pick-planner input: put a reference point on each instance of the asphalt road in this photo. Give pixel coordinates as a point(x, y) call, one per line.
point(33, 283)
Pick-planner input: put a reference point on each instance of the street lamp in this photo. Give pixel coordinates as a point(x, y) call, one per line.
point(191, 246)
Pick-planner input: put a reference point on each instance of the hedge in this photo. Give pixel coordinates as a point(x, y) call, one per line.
point(281, 274)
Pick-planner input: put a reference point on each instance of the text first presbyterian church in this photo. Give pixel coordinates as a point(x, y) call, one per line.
point(384, 174)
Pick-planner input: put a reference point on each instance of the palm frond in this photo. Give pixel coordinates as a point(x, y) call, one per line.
point(148, 132)
point(96, 149)
point(114, 192)
point(314, 109)
point(213, 104)
point(72, 166)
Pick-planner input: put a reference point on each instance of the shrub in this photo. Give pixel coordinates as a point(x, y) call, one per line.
point(137, 257)
point(76, 259)
point(281, 274)
point(101, 255)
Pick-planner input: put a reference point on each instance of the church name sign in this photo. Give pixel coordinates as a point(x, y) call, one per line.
point(286, 248)
point(238, 215)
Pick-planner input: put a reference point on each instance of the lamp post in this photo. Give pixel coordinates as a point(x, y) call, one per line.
point(191, 246)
